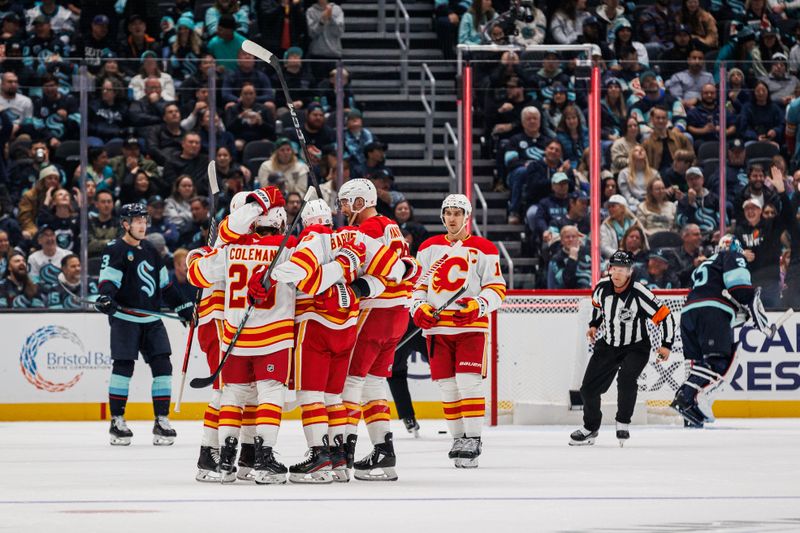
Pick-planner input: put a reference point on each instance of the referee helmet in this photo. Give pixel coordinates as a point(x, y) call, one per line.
point(621, 258)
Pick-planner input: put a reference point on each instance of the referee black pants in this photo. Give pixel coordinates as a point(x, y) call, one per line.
point(604, 364)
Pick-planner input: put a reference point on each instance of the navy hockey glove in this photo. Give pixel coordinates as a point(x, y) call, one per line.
point(106, 305)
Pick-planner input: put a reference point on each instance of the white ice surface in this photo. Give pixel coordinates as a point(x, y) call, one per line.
point(742, 475)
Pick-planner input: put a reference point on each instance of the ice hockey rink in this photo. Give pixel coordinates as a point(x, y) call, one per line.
point(740, 475)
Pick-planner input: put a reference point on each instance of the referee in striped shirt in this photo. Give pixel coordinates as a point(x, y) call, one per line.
point(621, 305)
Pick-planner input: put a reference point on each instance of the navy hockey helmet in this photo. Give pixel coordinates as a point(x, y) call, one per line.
point(621, 258)
point(130, 211)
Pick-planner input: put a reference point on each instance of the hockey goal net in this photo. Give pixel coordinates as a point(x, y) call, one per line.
point(540, 352)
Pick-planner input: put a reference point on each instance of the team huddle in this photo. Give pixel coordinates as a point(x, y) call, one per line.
point(324, 317)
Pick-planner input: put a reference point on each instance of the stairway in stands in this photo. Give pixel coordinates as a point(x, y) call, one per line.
point(373, 60)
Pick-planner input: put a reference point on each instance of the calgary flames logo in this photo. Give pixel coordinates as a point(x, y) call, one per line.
point(448, 277)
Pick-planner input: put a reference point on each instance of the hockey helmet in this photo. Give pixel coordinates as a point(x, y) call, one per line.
point(457, 201)
point(621, 258)
point(130, 211)
point(317, 212)
point(359, 188)
point(274, 218)
point(238, 200)
point(729, 243)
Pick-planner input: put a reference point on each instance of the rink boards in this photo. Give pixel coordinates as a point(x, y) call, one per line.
point(56, 366)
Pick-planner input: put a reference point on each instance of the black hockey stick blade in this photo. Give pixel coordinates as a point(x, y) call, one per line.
point(201, 383)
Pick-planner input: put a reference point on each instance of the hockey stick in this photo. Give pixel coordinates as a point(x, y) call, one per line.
point(266, 56)
point(786, 315)
point(436, 314)
point(133, 311)
point(213, 186)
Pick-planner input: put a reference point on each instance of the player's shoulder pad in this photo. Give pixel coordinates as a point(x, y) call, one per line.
point(483, 245)
point(373, 227)
point(436, 240)
point(312, 229)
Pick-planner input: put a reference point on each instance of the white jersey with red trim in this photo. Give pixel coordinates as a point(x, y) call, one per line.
point(477, 263)
point(313, 270)
point(270, 327)
point(387, 232)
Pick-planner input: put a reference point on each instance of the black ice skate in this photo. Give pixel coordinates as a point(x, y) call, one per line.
point(316, 468)
point(267, 470)
point(163, 434)
point(469, 453)
point(227, 460)
point(247, 459)
point(582, 437)
point(350, 449)
point(120, 434)
point(378, 465)
point(692, 416)
point(455, 450)
point(338, 454)
point(412, 426)
point(622, 433)
point(208, 465)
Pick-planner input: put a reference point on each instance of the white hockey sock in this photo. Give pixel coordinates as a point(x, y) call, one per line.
point(232, 401)
point(315, 416)
point(337, 416)
point(376, 408)
point(211, 421)
point(270, 410)
point(473, 403)
point(451, 405)
point(249, 416)
point(351, 397)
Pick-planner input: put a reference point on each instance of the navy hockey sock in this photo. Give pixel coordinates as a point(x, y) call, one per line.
point(162, 385)
point(121, 373)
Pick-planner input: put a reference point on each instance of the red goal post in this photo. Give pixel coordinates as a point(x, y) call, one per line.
point(539, 352)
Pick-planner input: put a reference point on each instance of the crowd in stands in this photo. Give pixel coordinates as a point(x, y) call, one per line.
point(149, 126)
point(660, 64)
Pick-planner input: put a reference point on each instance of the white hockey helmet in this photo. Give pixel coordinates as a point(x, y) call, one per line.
point(238, 200)
point(457, 201)
point(359, 188)
point(274, 218)
point(317, 212)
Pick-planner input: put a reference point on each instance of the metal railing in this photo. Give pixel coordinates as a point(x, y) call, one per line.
point(382, 17)
point(404, 41)
point(476, 229)
point(510, 262)
point(430, 108)
point(484, 207)
point(450, 139)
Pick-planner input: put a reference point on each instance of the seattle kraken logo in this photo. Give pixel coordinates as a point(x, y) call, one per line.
point(149, 284)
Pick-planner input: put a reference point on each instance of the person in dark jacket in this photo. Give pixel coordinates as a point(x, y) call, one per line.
point(657, 274)
point(282, 24)
point(571, 265)
point(298, 78)
point(699, 205)
point(761, 119)
point(756, 177)
point(108, 115)
point(541, 216)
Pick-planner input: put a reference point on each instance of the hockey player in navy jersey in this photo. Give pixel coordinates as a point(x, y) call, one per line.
point(721, 287)
point(133, 275)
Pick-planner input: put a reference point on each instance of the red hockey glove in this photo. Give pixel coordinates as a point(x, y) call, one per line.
point(423, 317)
point(257, 287)
point(337, 297)
point(267, 197)
point(413, 270)
point(351, 256)
point(471, 310)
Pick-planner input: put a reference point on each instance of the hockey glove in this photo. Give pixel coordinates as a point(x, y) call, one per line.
point(758, 316)
point(337, 297)
point(197, 253)
point(186, 312)
point(106, 305)
point(257, 291)
point(471, 310)
point(267, 197)
point(412, 269)
point(351, 256)
point(423, 316)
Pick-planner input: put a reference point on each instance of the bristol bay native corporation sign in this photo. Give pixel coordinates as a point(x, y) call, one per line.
point(53, 359)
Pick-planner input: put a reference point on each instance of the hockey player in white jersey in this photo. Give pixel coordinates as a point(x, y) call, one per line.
point(457, 338)
point(262, 352)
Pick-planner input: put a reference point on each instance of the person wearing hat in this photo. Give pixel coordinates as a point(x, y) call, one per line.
point(18, 290)
point(530, 33)
point(37, 197)
point(131, 161)
point(606, 14)
point(614, 227)
point(226, 43)
point(699, 205)
point(136, 43)
point(185, 47)
point(239, 11)
point(781, 84)
point(316, 132)
point(550, 75)
point(161, 224)
point(737, 53)
point(769, 44)
point(374, 160)
point(48, 256)
point(577, 214)
point(11, 28)
point(687, 85)
point(622, 305)
point(761, 238)
point(620, 37)
point(95, 43)
point(284, 160)
point(657, 274)
point(655, 96)
point(57, 16)
point(298, 78)
point(735, 172)
point(570, 266)
point(702, 120)
point(356, 138)
point(541, 216)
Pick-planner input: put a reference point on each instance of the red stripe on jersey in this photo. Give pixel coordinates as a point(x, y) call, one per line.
point(338, 316)
point(261, 336)
point(195, 276)
point(226, 234)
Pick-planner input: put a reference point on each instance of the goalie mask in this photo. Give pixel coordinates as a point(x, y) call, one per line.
point(457, 201)
point(729, 243)
point(317, 212)
point(358, 188)
point(275, 218)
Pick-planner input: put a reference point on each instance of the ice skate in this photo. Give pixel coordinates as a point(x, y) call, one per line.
point(622, 433)
point(692, 416)
point(582, 437)
point(469, 453)
point(247, 458)
point(266, 469)
point(208, 465)
point(338, 455)
point(412, 426)
point(227, 460)
point(120, 434)
point(378, 465)
point(455, 450)
point(350, 449)
point(316, 468)
point(163, 434)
